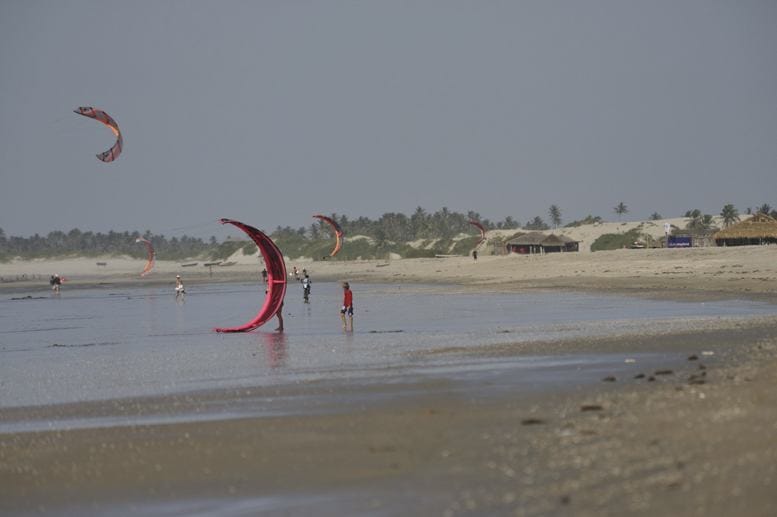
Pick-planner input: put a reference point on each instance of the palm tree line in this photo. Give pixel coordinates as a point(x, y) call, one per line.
point(390, 227)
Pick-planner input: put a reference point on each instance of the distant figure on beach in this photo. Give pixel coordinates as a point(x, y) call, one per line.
point(56, 282)
point(347, 306)
point(305, 286)
point(296, 273)
point(264, 279)
point(475, 255)
point(279, 315)
point(179, 289)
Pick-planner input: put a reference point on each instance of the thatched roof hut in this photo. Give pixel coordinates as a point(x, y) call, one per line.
point(759, 229)
point(538, 242)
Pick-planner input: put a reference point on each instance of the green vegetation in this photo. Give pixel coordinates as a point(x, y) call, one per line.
point(614, 241)
point(590, 219)
point(89, 244)
point(537, 224)
point(621, 209)
point(391, 233)
point(729, 214)
point(554, 212)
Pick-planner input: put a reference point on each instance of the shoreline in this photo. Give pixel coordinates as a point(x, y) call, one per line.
point(748, 272)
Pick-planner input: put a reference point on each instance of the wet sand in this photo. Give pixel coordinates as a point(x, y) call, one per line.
point(696, 438)
point(693, 439)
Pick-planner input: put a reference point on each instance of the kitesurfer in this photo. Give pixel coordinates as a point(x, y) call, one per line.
point(306, 286)
point(179, 289)
point(56, 282)
point(347, 306)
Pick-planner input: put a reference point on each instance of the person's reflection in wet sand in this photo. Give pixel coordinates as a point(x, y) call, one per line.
point(275, 348)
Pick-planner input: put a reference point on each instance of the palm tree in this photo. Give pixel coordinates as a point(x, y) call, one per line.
point(536, 224)
point(700, 225)
point(555, 215)
point(510, 223)
point(730, 215)
point(765, 209)
point(621, 209)
point(655, 216)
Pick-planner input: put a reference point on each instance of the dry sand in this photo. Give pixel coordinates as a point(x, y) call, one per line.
point(696, 440)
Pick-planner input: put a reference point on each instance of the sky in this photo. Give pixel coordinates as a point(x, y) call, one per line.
point(272, 111)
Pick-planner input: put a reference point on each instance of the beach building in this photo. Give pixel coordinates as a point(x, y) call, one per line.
point(759, 229)
point(538, 242)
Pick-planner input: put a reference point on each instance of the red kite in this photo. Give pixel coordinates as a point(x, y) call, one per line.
point(276, 278)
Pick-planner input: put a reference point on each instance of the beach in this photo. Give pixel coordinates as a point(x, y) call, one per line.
point(693, 434)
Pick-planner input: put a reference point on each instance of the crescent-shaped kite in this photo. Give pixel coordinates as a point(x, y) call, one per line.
point(150, 250)
point(338, 233)
point(276, 278)
point(99, 115)
point(482, 232)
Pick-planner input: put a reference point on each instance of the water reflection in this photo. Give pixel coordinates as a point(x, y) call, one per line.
point(274, 348)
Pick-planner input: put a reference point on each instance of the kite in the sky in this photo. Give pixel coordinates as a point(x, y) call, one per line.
point(276, 278)
point(150, 261)
point(482, 229)
point(338, 233)
point(99, 115)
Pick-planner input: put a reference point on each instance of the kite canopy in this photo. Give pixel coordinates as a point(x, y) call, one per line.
point(276, 278)
point(150, 262)
point(99, 115)
point(338, 233)
point(482, 229)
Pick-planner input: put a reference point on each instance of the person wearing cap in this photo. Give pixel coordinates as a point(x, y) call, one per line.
point(347, 306)
point(179, 290)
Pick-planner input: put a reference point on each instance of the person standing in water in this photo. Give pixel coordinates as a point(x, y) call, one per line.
point(306, 286)
point(179, 289)
point(279, 315)
point(56, 283)
point(347, 306)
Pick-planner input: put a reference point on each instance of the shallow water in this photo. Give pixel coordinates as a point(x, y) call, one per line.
point(107, 343)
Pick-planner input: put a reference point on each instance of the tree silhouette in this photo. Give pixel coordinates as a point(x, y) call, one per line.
point(702, 224)
point(730, 215)
point(765, 209)
point(621, 209)
point(536, 224)
point(655, 216)
point(555, 215)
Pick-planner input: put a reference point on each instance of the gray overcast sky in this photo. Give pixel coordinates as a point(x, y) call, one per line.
point(269, 112)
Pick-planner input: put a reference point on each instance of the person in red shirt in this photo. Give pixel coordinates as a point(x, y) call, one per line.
point(347, 306)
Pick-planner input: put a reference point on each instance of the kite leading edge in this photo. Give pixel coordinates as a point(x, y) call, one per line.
point(276, 278)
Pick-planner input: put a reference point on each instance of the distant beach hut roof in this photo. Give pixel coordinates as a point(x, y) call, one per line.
point(541, 239)
point(528, 239)
point(760, 226)
point(553, 240)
